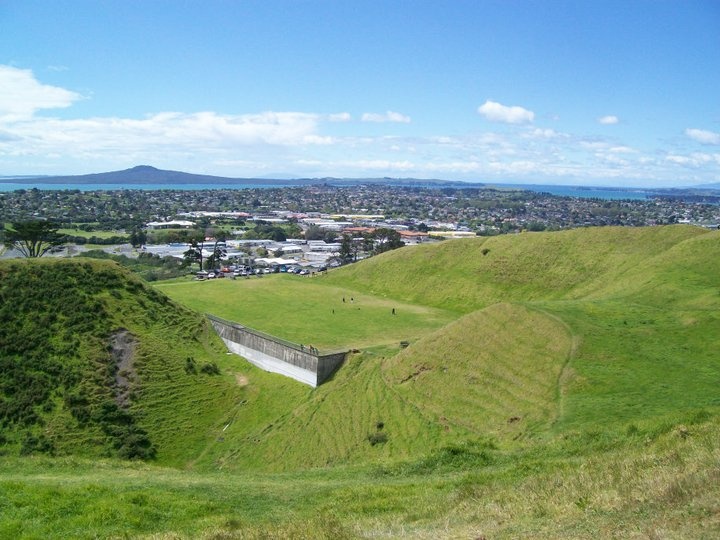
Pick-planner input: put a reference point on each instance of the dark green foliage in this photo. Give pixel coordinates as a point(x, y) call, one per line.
point(210, 369)
point(466, 455)
point(147, 265)
point(190, 366)
point(138, 237)
point(347, 254)
point(266, 231)
point(32, 444)
point(384, 239)
point(55, 352)
point(130, 440)
point(33, 238)
point(107, 241)
point(379, 437)
point(194, 254)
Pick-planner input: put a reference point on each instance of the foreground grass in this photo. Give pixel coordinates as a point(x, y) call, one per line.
point(654, 480)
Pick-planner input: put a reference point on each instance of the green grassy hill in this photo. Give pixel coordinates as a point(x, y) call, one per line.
point(556, 385)
point(571, 330)
point(471, 274)
point(96, 363)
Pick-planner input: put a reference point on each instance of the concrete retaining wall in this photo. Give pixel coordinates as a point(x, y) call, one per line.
point(276, 355)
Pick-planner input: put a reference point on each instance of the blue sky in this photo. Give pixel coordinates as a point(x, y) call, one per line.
point(622, 93)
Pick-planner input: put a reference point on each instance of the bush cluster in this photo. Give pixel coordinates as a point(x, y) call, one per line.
point(54, 349)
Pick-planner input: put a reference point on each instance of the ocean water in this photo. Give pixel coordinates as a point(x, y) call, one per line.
point(584, 192)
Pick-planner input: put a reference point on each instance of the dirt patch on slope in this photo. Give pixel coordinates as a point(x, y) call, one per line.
point(123, 345)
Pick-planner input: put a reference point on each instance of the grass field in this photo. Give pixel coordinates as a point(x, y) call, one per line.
point(605, 324)
point(96, 234)
point(654, 483)
point(305, 310)
point(560, 385)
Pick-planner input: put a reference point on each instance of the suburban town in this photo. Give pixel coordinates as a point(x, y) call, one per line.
point(305, 229)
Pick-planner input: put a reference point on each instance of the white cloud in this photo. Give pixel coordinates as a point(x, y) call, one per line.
point(594, 145)
point(703, 136)
point(496, 112)
point(339, 117)
point(21, 94)
point(305, 143)
point(389, 116)
point(622, 150)
point(380, 165)
point(539, 133)
point(608, 120)
point(695, 160)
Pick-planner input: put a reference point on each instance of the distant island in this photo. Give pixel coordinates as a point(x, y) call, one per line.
point(146, 174)
point(147, 177)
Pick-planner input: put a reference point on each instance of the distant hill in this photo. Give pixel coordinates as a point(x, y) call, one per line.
point(145, 174)
point(713, 186)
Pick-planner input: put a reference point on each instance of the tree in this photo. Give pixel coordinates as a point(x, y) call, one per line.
point(138, 237)
point(386, 239)
point(33, 238)
point(219, 252)
point(194, 253)
point(313, 232)
point(346, 249)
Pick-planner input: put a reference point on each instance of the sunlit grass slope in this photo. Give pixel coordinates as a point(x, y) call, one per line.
point(335, 425)
point(572, 329)
point(465, 275)
point(495, 371)
point(563, 385)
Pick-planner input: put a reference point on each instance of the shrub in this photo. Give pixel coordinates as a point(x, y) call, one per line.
point(210, 369)
point(32, 444)
point(379, 437)
point(190, 366)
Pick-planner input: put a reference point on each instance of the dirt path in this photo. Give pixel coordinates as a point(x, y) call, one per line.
point(123, 345)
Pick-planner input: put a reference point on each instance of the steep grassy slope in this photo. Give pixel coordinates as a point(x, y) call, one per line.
point(494, 371)
point(462, 276)
point(69, 387)
point(337, 424)
point(574, 330)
